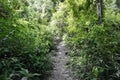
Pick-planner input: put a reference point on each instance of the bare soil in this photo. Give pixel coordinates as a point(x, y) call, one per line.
point(60, 71)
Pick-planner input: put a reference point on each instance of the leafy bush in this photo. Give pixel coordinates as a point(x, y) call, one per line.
point(24, 44)
point(94, 49)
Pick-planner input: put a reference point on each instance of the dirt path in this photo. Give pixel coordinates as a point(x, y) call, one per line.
point(60, 72)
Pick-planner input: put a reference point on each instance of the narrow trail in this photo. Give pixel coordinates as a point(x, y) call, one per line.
point(60, 72)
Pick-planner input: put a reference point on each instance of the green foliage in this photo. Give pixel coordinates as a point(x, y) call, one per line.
point(24, 43)
point(26, 39)
point(94, 49)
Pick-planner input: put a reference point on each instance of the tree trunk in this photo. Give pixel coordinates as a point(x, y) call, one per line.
point(99, 11)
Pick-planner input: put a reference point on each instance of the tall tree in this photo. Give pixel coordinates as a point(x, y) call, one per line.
point(99, 11)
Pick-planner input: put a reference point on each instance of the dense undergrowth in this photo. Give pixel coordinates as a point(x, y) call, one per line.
point(25, 42)
point(95, 53)
point(27, 28)
point(94, 49)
